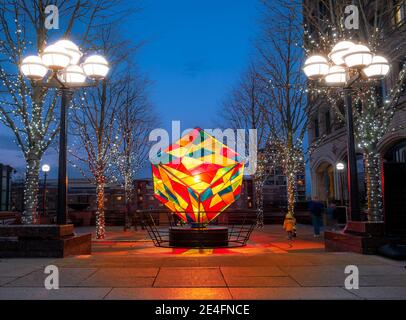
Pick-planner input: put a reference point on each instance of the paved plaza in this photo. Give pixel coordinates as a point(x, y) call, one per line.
point(127, 266)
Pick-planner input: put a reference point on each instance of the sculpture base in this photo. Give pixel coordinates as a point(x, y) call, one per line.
point(209, 237)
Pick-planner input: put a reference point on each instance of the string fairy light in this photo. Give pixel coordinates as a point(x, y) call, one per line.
point(94, 149)
point(373, 113)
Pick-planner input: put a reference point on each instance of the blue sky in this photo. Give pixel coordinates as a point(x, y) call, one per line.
point(194, 52)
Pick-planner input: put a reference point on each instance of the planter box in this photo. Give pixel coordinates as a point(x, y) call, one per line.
point(359, 237)
point(53, 241)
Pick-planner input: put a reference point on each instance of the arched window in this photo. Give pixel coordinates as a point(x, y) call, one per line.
point(397, 153)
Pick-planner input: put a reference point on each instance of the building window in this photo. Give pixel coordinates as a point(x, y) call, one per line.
point(401, 64)
point(380, 92)
point(397, 153)
point(323, 10)
point(361, 178)
point(316, 128)
point(341, 107)
point(399, 11)
point(269, 182)
point(327, 121)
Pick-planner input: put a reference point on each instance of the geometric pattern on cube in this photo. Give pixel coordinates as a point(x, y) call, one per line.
point(197, 177)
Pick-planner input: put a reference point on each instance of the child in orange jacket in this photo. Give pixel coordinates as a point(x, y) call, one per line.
point(289, 224)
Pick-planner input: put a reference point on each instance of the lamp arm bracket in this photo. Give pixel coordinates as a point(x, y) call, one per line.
point(352, 80)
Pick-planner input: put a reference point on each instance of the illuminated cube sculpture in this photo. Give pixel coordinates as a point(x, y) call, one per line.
point(197, 177)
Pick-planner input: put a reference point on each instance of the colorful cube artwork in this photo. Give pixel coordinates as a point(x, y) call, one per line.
point(197, 177)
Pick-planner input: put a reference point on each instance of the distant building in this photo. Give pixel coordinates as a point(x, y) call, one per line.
point(145, 200)
point(81, 195)
point(275, 189)
point(5, 187)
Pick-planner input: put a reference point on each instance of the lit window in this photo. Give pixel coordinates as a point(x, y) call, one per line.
point(399, 11)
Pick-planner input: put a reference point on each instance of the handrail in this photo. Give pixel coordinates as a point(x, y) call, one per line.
point(238, 234)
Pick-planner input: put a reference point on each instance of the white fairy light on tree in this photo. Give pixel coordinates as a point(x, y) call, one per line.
point(374, 113)
point(243, 111)
point(134, 123)
point(96, 127)
point(288, 101)
point(30, 112)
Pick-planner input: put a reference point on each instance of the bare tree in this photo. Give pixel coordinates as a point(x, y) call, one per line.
point(383, 29)
point(95, 122)
point(288, 101)
point(135, 121)
point(243, 110)
point(27, 110)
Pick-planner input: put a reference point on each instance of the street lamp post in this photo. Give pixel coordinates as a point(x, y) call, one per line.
point(45, 169)
point(346, 64)
point(340, 167)
point(61, 62)
point(61, 217)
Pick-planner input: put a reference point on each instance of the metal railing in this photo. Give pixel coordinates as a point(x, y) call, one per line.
point(238, 233)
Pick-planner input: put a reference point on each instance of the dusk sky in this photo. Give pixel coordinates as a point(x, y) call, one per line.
point(194, 52)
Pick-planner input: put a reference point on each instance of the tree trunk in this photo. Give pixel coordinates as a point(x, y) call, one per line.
point(127, 215)
point(127, 195)
point(290, 171)
point(30, 214)
point(100, 219)
point(373, 170)
point(259, 201)
point(290, 181)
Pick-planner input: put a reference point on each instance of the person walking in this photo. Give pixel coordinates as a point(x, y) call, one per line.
point(316, 211)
